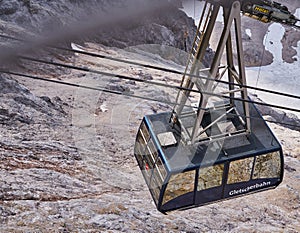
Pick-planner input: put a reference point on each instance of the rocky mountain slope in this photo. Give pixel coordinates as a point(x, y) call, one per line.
point(67, 161)
point(166, 26)
point(66, 154)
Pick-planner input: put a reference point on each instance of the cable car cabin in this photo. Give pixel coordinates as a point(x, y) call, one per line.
point(182, 176)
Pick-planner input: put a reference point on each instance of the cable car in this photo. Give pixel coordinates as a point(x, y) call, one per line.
point(223, 149)
point(181, 176)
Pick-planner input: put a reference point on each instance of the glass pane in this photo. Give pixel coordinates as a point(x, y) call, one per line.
point(140, 143)
point(149, 157)
point(210, 177)
point(146, 171)
point(145, 132)
point(139, 149)
point(156, 185)
point(155, 191)
point(267, 166)
point(157, 176)
point(149, 164)
point(139, 157)
point(161, 168)
point(180, 184)
point(152, 151)
point(240, 170)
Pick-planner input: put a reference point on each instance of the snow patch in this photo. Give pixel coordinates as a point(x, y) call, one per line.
point(77, 47)
point(272, 41)
point(279, 76)
point(297, 14)
point(194, 9)
point(297, 48)
point(249, 32)
point(103, 107)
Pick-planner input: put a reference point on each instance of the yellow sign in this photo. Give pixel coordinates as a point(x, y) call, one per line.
point(261, 10)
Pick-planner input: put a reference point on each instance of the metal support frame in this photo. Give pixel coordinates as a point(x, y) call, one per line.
point(232, 24)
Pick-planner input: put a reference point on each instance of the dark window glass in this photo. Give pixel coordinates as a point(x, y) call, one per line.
point(180, 184)
point(152, 150)
point(210, 177)
point(240, 170)
point(267, 166)
point(155, 190)
point(140, 146)
point(145, 132)
point(149, 155)
point(147, 171)
point(161, 168)
point(157, 176)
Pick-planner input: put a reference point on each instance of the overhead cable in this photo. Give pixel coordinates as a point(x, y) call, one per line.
point(160, 68)
point(85, 69)
point(102, 89)
point(85, 87)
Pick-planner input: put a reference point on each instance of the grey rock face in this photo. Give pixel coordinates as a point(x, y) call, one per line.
point(18, 104)
point(45, 16)
point(168, 26)
point(58, 176)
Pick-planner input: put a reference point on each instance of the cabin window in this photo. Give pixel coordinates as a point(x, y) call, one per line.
point(152, 151)
point(240, 170)
point(180, 184)
point(210, 177)
point(145, 132)
point(147, 171)
point(267, 166)
point(161, 168)
point(156, 184)
point(140, 148)
point(148, 163)
point(158, 176)
point(159, 172)
point(150, 154)
point(155, 190)
point(142, 139)
point(140, 144)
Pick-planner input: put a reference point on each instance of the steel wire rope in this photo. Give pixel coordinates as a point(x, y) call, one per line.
point(127, 94)
point(85, 69)
point(161, 69)
point(85, 87)
point(262, 57)
point(194, 9)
